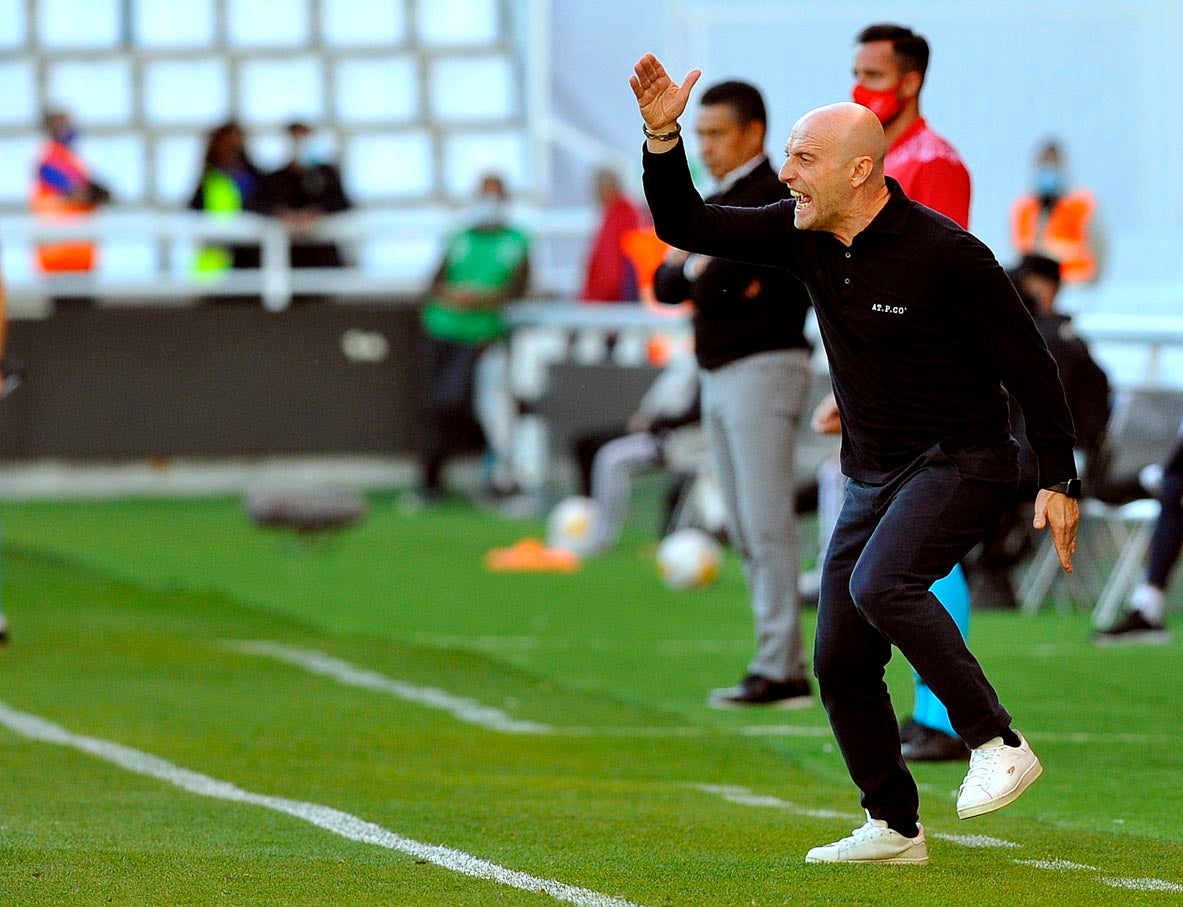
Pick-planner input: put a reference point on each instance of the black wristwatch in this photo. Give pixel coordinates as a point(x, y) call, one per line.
point(1071, 488)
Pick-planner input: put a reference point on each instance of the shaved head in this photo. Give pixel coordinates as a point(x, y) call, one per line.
point(834, 165)
point(850, 129)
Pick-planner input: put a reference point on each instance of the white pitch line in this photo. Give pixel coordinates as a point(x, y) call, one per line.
point(1058, 865)
point(1143, 884)
point(462, 708)
point(332, 820)
point(784, 730)
point(492, 718)
point(743, 796)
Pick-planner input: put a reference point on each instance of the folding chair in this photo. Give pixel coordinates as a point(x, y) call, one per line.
point(1143, 428)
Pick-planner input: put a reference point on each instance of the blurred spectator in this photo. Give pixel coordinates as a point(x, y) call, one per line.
point(485, 265)
point(302, 192)
point(1086, 388)
point(754, 368)
point(610, 275)
point(1144, 618)
point(1058, 222)
point(662, 433)
point(64, 191)
point(230, 183)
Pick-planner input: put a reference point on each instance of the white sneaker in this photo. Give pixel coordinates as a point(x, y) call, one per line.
point(998, 775)
point(874, 843)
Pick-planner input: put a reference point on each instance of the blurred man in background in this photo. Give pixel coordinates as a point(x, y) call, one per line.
point(754, 361)
point(486, 265)
point(307, 188)
point(64, 192)
point(1086, 389)
point(610, 276)
point(1058, 222)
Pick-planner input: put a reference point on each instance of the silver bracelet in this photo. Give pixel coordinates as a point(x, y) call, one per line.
point(662, 136)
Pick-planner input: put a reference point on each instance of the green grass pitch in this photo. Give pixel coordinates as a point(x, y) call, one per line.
point(126, 623)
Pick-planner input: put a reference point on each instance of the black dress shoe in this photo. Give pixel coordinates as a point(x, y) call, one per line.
point(755, 690)
point(931, 745)
point(909, 729)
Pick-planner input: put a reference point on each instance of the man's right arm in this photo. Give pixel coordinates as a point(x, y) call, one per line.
point(757, 235)
point(763, 236)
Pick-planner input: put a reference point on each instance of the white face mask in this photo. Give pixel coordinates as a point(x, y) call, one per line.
point(489, 211)
point(309, 153)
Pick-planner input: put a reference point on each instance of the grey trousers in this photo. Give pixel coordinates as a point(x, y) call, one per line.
point(752, 410)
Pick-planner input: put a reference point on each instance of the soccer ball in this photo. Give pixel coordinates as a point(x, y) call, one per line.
point(572, 525)
point(689, 559)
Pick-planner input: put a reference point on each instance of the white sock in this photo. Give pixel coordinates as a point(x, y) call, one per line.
point(1149, 601)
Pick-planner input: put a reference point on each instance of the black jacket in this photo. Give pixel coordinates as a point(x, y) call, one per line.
point(295, 188)
point(740, 309)
point(921, 325)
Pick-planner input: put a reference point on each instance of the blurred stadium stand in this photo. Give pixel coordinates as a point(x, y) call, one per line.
point(417, 98)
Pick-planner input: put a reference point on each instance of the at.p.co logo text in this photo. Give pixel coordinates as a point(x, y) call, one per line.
point(888, 309)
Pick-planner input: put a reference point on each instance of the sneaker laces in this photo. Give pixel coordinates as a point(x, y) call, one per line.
point(864, 832)
point(982, 763)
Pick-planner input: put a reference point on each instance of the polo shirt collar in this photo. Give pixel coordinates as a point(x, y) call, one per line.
point(893, 215)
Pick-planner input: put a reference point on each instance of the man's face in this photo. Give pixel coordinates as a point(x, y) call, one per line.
point(875, 66)
point(1042, 289)
point(818, 177)
point(723, 142)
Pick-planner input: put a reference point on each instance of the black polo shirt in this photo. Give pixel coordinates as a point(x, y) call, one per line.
point(921, 325)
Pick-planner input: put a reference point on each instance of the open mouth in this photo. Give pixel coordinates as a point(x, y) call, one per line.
point(804, 202)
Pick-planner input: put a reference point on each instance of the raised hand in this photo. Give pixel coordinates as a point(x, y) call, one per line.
point(660, 99)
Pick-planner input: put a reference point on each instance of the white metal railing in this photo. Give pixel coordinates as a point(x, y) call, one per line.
point(275, 282)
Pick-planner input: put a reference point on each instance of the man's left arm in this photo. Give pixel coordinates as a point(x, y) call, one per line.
point(992, 310)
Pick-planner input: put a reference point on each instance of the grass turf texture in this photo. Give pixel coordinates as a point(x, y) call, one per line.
point(120, 614)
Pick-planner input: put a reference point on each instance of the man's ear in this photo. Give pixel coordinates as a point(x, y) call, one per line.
point(861, 170)
point(910, 84)
point(754, 132)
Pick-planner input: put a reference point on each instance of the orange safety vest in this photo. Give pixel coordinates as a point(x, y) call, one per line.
point(49, 203)
point(1064, 234)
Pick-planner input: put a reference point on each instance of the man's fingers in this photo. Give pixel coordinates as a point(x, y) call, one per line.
point(1065, 545)
point(1040, 519)
point(688, 83)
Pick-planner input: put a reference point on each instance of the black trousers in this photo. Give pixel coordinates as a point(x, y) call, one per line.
point(449, 423)
point(890, 544)
point(1167, 540)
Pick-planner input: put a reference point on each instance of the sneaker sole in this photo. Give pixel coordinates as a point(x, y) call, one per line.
point(1006, 799)
point(795, 702)
point(894, 861)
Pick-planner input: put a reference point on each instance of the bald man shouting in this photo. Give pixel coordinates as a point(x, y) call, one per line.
point(922, 329)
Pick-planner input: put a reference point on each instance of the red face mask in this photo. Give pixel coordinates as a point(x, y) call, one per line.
point(885, 104)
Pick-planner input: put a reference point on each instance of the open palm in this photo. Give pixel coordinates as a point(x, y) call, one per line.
point(659, 97)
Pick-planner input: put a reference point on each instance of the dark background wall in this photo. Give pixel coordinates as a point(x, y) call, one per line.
point(234, 379)
point(218, 380)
